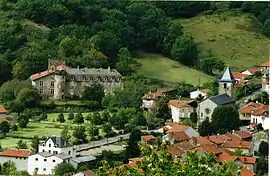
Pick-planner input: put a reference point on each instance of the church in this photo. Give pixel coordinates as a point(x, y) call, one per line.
point(226, 96)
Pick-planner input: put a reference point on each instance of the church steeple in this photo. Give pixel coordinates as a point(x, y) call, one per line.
point(227, 83)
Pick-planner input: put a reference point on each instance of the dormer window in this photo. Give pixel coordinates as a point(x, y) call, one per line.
point(83, 78)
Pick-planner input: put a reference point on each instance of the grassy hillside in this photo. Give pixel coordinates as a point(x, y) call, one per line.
point(231, 37)
point(160, 67)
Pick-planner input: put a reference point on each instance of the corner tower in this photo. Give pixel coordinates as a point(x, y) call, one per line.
point(227, 84)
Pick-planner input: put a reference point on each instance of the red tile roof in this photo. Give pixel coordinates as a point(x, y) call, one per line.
point(238, 75)
point(210, 149)
point(175, 150)
point(205, 90)
point(180, 103)
point(178, 128)
point(179, 136)
point(153, 95)
point(148, 137)
point(218, 139)
point(202, 141)
point(255, 109)
point(266, 64)
point(47, 72)
point(16, 152)
point(253, 70)
point(222, 157)
point(247, 172)
point(3, 109)
point(237, 144)
point(243, 134)
point(247, 159)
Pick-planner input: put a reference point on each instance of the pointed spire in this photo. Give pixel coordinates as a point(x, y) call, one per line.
point(227, 76)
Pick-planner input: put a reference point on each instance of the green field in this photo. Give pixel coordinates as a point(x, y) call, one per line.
point(162, 68)
point(231, 37)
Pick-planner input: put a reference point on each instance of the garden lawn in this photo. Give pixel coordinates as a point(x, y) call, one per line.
point(162, 68)
point(230, 36)
point(53, 116)
point(9, 142)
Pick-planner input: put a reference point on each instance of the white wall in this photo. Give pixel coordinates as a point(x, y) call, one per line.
point(44, 165)
point(201, 109)
point(49, 147)
point(260, 119)
point(147, 103)
point(20, 162)
point(195, 94)
point(180, 113)
point(246, 72)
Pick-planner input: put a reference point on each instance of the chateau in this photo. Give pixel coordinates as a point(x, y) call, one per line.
point(60, 81)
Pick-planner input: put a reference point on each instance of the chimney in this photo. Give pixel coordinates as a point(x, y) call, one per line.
point(109, 69)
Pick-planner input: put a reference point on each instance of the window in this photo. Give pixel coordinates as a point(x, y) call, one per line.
point(55, 152)
point(36, 159)
point(49, 145)
point(45, 160)
point(52, 91)
point(53, 161)
point(69, 152)
point(41, 91)
point(16, 157)
point(44, 169)
point(40, 83)
point(225, 85)
point(43, 150)
point(201, 114)
point(49, 151)
point(52, 83)
point(256, 121)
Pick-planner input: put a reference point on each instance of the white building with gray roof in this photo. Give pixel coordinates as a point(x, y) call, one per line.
point(227, 96)
point(59, 81)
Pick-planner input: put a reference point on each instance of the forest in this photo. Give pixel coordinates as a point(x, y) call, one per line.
point(103, 33)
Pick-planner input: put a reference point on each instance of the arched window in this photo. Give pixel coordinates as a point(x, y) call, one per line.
point(225, 86)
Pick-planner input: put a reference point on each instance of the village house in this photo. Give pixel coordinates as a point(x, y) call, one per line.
point(251, 71)
point(18, 156)
point(179, 133)
point(239, 77)
point(227, 96)
point(181, 109)
point(203, 92)
point(265, 78)
point(150, 98)
point(255, 113)
point(149, 139)
point(60, 81)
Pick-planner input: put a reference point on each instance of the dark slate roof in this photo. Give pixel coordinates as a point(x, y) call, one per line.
point(222, 99)
point(59, 141)
point(93, 71)
point(227, 76)
point(45, 154)
point(63, 156)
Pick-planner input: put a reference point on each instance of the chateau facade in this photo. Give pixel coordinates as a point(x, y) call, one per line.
point(60, 81)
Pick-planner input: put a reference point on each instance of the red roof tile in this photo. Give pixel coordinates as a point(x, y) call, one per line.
point(238, 75)
point(243, 134)
point(266, 64)
point(47, 72)
point(178, 128)
point(222, 157)
point(175, 150)
point(255, 109)
point(152, 95)
point(218, 139)
point(237, 144)
point(148, 137)
point(202, 141)
point(180, 103)
point(16, 152)
point(3, 109)
point(253, 70)
point(179, 136)
point(210, 149)
point(247, 172)
point(247, 159)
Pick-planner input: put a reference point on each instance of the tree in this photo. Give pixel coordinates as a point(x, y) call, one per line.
point(209, 65)
point(105, 115)
point(266, 27)
point(262, 166)
point(95, 92)
point(162, 110)
point(205, 128)
point(61, 118)
point(263, 149)
point(14, 127)
point(71, 116)
point(109, 101)
point(7, 90)
point(107, 128)
point(160, 162)
point(193, 117)
point(19, 70)
point(79, 135)
point(133, 149)
point(92, 131)
point(184, 50)
point(78, 118)
point(4, 127)
point(225, 119)
point(9, 168)
point(63, 169)
point(21, 144)
point(96, 118)
point(65, 133)
point(43, 117)
point(30, 98)
point(23, 120)
point(35, 143)
point(124, 64)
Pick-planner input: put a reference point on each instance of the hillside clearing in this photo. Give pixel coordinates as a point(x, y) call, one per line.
point(231, 37)
point(162, 68)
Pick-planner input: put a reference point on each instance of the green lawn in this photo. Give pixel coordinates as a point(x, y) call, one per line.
point(54, 116)
point(160, 67)
point(10, 142)
point(227, 34)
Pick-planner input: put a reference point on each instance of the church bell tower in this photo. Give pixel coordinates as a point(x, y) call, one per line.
point(227, 84)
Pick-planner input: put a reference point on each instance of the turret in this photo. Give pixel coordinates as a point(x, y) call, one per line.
point(227, 83)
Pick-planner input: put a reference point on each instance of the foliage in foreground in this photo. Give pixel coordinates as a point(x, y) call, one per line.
point(160, 162)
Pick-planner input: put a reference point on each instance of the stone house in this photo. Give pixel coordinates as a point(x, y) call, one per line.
point(150, 98)
point(60, 81)
point(18, 156)
point(181, 109)
point(227, 95)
